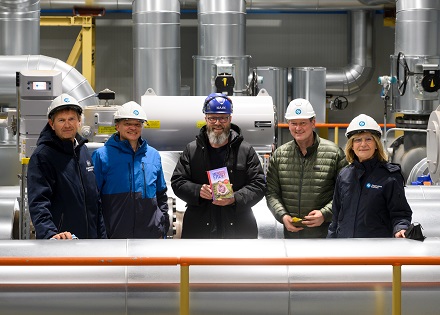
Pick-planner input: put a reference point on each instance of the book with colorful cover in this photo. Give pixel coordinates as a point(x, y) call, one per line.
point(220, 185)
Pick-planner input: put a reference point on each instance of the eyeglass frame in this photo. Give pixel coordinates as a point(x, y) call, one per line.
point(360, 140)
point(214, 119)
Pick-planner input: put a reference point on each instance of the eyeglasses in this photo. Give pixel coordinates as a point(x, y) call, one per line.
point(359, 140)
point(222, 119)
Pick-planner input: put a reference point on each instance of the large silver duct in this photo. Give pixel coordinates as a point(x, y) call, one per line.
point(417, 28)
point(357, 73)
point(73, 83)
point(222, 44)
point(415, 65)
point(278, 5)
point(228, 15)
point(232, 290)
point(19, 27)
point(156, 47)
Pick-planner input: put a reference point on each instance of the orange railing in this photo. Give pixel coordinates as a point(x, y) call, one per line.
point(335, 126)
point(186, 262)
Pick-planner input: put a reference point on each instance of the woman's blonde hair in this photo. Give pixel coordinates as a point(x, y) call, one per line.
point(380, 151)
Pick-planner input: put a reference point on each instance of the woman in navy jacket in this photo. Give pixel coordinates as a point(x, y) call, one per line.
point(369, 198)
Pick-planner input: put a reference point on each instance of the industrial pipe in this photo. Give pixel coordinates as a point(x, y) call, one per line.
point(225, 276)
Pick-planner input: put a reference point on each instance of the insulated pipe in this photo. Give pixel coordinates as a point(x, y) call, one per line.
point(19, 27)
point(417, 27)
point(343, 81)
point(73, 82)
point(278, 5)
point(351, 78)
point(156, 47)
point(221, 289)
point(222, 28)
point(222, 45)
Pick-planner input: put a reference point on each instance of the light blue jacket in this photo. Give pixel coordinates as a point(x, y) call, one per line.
point(133, 189)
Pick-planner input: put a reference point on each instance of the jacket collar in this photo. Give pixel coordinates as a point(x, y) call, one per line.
point(125, 146)
point(48, 137)
point(312, 149)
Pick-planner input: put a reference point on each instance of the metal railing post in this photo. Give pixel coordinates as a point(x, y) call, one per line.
point(184, 289)
point(397, 290)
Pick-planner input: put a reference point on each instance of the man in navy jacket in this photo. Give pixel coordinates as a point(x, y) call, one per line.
point(62, 193)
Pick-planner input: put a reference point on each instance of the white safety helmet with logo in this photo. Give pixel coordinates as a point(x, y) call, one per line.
point(299, 109)
point(131, 110)
point(363, 123)
point(61, 101)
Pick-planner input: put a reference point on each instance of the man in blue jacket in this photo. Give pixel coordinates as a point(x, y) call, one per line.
point(131, 180)
point(62, 193)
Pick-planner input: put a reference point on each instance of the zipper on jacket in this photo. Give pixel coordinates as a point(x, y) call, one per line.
point(303, 162)
point(60, 225)
point(130, 179)
point(145, 181)
point(83, 190)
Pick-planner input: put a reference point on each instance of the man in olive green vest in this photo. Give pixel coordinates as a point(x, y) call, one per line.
point(301, 176)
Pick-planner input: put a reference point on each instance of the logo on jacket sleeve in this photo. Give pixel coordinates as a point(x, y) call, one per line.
point(373, 186)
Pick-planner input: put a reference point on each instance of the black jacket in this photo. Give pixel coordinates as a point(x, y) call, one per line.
point(62, 191)
point(371, 206)
point(203, 219)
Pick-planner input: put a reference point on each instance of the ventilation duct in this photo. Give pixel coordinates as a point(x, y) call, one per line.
point(73, 83)
point(19, 27)
point(222, 45)
point(351, 78)
point(156, 47)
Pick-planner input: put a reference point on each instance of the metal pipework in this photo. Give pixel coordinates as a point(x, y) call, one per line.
point(351, 78)
point(156, 47)
point(19, 27)
point(222, 45)
point(255, 290)
point(417, 45)
point(73, 83)
point(278, 5)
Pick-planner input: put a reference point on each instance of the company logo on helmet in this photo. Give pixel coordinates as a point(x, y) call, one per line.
point(298, 111)
point(136, 112)
point(221, 107)
point(362, 123)
point(66, 100)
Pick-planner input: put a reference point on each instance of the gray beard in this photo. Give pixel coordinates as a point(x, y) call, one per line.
point(218, 139)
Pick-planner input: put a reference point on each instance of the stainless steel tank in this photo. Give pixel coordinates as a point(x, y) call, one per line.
point(175, 121)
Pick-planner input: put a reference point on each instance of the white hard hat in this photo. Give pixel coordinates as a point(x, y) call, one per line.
point(363, 123)
point(131, 110)
point(63, 100)
point(299, 109)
